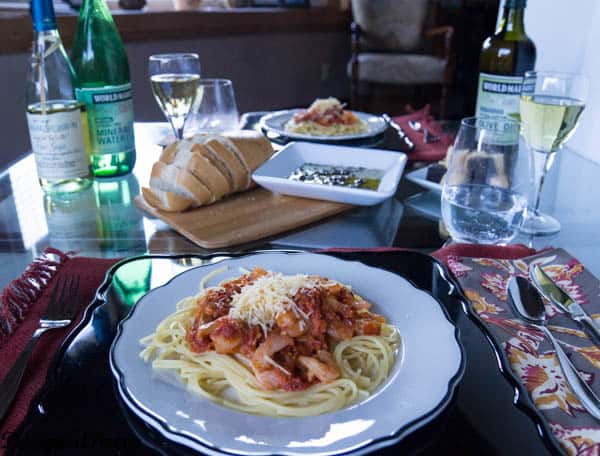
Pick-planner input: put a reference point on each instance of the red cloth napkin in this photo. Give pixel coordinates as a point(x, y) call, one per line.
point(507, 252)
point(432, 151)
point(37, 282)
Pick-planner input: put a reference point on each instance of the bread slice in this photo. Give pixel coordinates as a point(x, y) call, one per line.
point(252, 145)
point(218, 162)
point(166, 201)
point(170, 178)
point(231, 147)
point(208, 174)
point(238, 170)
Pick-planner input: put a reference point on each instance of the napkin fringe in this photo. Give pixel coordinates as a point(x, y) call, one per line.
point(20, 294)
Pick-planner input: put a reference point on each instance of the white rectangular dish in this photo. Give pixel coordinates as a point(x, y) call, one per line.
point(274, 173)
point(419, 177)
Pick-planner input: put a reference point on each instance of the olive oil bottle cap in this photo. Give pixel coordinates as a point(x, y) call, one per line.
point(518, 4)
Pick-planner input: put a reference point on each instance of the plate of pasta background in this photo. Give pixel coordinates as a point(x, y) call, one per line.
point(324, 120)
point(286, 353)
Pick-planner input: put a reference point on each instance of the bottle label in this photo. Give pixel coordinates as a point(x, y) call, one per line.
point(58, 144)
point(498, 95)
point(110, 118)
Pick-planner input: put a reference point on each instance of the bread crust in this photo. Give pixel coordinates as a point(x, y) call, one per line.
point(208, 174)
point(166, 201)
point(237, 169)
point(253, 146)
point(217, 161)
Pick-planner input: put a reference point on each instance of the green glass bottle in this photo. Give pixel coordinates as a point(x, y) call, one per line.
point(505, 57)
point(104, 86)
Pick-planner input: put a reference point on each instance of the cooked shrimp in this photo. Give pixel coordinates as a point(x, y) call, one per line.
point(272, 344)
point(271, 379)
point(227, 335)
point(326, 372)
point(290, 324)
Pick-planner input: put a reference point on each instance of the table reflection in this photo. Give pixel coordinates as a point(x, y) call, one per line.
point(100, 218)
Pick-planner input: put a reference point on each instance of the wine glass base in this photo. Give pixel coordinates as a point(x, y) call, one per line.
point(541, 224)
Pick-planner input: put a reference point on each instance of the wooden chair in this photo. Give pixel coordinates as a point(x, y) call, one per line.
point(390, 47)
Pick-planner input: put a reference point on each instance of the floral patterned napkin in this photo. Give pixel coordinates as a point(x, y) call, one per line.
point(484, 282)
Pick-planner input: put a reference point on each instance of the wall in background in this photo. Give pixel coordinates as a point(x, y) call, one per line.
point(269, 71)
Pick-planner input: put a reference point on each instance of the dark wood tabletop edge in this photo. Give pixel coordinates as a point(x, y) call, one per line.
point(143, 25)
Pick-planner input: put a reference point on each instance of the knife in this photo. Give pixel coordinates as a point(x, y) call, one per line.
point(552, 292)
point(401, 133)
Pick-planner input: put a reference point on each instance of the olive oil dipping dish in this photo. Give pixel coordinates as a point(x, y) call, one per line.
point(365, 163)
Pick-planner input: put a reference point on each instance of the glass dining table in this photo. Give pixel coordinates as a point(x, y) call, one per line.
point(103, 221)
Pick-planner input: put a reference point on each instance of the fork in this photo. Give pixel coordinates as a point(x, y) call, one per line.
point(61, 310)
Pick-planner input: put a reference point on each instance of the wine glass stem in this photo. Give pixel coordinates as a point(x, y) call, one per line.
point(540, 175)
point(177, 125)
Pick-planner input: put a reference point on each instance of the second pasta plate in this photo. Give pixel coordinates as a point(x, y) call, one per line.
point(420, 384)
point(276, 122)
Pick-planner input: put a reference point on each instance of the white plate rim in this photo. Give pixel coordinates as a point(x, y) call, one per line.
point(288, 113)
point(195, 442)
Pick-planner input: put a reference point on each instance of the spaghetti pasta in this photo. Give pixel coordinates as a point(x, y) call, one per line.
point(276, 368)
point(326, 117)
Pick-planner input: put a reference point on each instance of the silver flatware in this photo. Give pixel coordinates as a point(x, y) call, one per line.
point(417, 126)
point(60, 312)
point(401, 133)
point(527, 303)
point(555, 294)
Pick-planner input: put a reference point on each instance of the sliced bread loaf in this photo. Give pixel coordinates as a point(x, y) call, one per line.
point(183, 155)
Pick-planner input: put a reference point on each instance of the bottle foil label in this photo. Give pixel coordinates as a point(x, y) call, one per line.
point(58, 144)
point(110, 118)
point(498, 95)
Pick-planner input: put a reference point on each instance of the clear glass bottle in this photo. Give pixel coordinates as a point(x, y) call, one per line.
point(505, 57)
point(102, 68)
point(56, 120)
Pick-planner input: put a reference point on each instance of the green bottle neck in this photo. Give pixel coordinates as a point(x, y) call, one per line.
point(511, 25)
point(95, 8)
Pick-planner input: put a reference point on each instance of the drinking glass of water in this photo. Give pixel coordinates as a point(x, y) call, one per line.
point(483, 197)
point(215, 109)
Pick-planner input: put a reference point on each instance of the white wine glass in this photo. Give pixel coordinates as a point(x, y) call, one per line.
point(484, 192)
point(551, 105)
point(174, 79)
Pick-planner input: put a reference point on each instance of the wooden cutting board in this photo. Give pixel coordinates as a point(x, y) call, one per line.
point(244, 217)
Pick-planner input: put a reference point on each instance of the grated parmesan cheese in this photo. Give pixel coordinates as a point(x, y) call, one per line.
point(268, 296)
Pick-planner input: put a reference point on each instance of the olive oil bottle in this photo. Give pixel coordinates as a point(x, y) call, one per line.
point(505, 57)
point(100, 62)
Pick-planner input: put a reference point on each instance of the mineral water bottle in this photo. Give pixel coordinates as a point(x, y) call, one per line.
point(104, 86)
